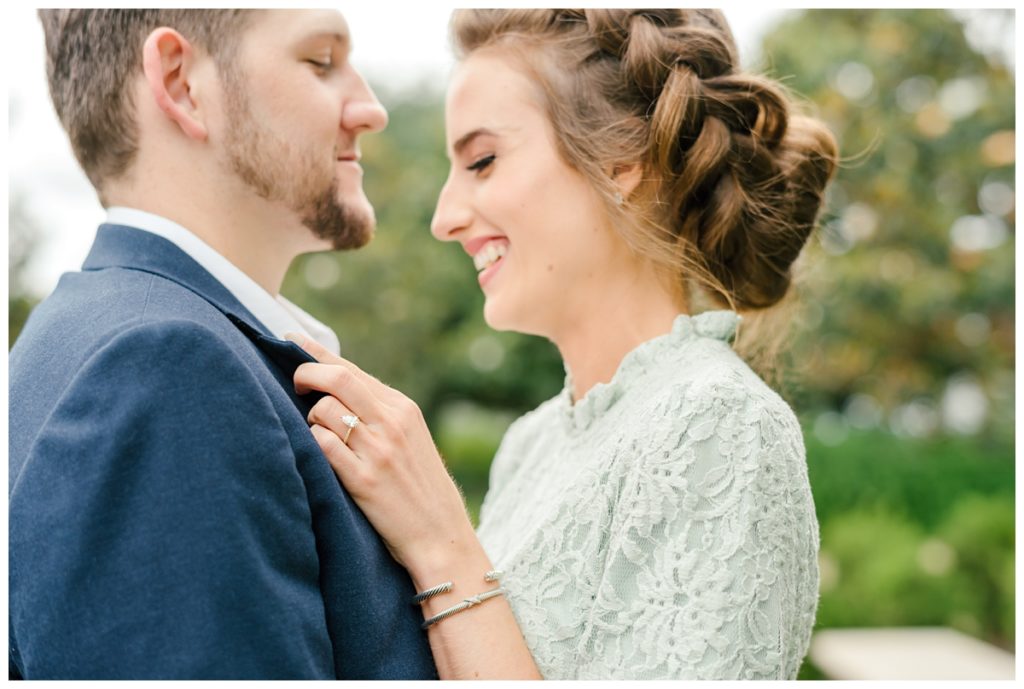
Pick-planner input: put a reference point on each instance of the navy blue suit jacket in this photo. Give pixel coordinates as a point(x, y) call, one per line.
point(171, 516)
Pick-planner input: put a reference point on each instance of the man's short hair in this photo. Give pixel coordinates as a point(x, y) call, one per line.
point(92, 56)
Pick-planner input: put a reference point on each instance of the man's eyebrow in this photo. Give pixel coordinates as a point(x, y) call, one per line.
point(342, 39)
point(468, 138)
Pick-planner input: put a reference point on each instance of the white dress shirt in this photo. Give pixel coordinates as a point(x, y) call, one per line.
point(276, 313)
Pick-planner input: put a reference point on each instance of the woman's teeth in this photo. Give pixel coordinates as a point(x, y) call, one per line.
point(489, 255)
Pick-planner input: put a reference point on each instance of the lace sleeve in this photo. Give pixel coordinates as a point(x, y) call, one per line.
point(513, 447)
point(711, 570)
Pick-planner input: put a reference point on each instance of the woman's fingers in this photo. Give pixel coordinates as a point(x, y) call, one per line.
point(341, 382)
point(314, 348)
point(325, 356)
point(343, 460)
point(331, 414)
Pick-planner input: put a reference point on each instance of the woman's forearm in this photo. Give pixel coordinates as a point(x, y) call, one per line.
point(482, 642)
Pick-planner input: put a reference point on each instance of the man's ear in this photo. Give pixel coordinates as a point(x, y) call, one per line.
point(627, 178)
point(167, 61)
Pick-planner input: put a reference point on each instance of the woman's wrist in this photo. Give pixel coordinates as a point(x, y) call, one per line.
point(459, 559)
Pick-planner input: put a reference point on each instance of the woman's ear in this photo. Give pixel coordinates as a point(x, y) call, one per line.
point(167, 62)
point(627, 178)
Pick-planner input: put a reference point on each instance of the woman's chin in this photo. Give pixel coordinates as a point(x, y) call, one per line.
point(493, 315)
point(500, 318)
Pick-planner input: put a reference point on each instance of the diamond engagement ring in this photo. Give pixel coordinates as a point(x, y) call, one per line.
point(351, 421)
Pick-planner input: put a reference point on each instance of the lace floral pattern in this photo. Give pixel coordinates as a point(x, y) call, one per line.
point(662, 527)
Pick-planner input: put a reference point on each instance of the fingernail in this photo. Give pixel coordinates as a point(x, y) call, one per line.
point(296, 338)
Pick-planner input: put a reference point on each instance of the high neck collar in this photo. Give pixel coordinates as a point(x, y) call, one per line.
point(579, 416)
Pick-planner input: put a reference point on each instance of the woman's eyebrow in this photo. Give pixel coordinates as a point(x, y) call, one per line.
point(469, 137)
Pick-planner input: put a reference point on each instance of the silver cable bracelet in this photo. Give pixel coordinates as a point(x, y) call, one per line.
point(492, 575)
point(466, 604)
point(431, 592)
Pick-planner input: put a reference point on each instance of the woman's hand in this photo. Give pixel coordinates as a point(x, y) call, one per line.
point(391, 468)
point(389, 464)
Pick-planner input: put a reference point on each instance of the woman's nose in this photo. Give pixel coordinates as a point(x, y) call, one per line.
point(451, 215)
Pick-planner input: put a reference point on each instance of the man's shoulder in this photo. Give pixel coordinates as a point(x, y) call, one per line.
point(117, 294)
point(170, 343)
point(125, 308)
point(166, 388)
point(130, 360)
point(146, 366)
point(89, 308)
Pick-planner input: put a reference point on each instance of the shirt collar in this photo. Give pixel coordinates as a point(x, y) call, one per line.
point(276, 313)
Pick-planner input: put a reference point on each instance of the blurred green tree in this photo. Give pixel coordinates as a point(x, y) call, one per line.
point(22, 241)
point(903, 358)
point(908, 301)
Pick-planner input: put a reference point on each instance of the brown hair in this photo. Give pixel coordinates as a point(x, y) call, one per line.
point(733, 178)
point(92, 56)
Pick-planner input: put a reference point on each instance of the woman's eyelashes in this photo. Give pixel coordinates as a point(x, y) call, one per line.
point(482, 164)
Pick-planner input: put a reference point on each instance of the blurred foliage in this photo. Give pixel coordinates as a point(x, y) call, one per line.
point(920, 479)
point(902, 364)
point(916, 532)
point(881, 568)
point(912, 280)
point(22, 241)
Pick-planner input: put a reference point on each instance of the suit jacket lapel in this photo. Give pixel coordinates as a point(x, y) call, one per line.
point(286, 357)
point(125, 247)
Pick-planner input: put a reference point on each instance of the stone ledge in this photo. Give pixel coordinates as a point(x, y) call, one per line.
point(907, 653)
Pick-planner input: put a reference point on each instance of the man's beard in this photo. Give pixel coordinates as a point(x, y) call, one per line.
point(279, 172)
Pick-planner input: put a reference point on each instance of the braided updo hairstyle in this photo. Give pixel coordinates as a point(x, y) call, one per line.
point(733, 177)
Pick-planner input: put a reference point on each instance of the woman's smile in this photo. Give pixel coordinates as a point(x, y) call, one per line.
point(489, 259)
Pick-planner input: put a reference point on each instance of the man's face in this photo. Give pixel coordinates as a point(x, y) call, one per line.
point(295, 107)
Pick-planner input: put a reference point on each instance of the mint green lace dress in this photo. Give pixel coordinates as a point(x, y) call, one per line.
point(662, 527)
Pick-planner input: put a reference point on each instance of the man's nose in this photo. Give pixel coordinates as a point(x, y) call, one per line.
point(363, 112)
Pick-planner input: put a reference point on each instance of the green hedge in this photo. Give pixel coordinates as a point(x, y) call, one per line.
point(919, 479)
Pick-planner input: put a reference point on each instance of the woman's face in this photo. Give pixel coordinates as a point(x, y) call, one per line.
point(533, 225)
